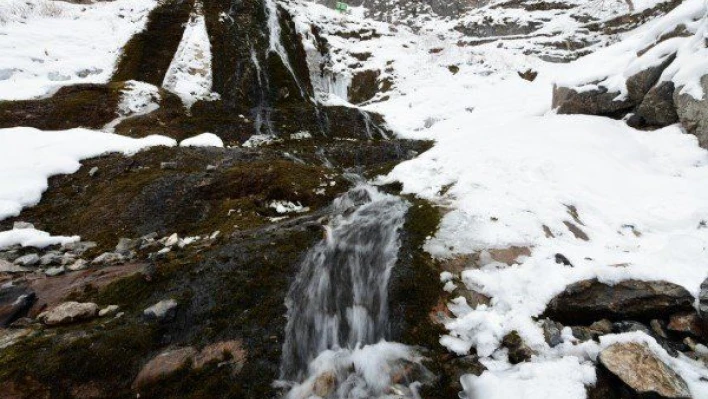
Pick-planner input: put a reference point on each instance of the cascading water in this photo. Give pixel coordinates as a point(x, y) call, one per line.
point(275, 45)
point(338, 306)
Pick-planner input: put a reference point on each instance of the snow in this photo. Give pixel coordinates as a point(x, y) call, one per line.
point(32, 238)
point(190, 73)
point(28, 157)
point(288, 207)
point(48, 44)
point(203, 140)
point(504, 166)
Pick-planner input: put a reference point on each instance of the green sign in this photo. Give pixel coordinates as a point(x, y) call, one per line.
point(341, 6)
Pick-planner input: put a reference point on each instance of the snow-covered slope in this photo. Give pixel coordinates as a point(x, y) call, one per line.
point(48, 44)
point(617, 202)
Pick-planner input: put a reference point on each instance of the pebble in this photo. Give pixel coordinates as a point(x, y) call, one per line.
point(54, 271)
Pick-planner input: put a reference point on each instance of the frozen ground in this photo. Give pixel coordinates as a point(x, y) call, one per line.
point(506, 168)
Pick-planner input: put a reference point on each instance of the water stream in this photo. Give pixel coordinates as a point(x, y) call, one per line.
point(338, 306)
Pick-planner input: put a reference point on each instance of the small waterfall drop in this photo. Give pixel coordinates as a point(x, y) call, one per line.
point(338, 306)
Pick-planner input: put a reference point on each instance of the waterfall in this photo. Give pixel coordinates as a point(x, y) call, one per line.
point(338, 304)
point(275, 44)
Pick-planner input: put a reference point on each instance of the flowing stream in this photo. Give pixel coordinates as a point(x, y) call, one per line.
point(338, 306)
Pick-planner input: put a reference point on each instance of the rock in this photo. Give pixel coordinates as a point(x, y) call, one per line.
point(596, 101)
point(80, 264)
point(639, 84)
point(657, 108)
point(79, 247)
point(22, 226)
point(109, 310)
point(7, 267)
point(562, 260)
point(108, 258)
point(324, 384)
point(529, 75)
point(693, 113)
point(163, 310)
point(69, 312)
point(11, 337)
point(172, 240)
point(163, 365)
point(686, 323)
point(51, 258)
point(93, 171)
point(630, 326)
point(518, 350)
point(603, 326)
point(552, 332)
point(703, 301)
point(168, 165)
point(14, 303)
point(590, 300)
point(54, 271)
point(642, 371)
point(126, 245)
point(225, 351)
point(27, 260)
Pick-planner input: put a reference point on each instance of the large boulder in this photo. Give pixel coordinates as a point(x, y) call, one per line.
point(642, 371)
point(693, 113)
point(590, 300)
point(639, 84)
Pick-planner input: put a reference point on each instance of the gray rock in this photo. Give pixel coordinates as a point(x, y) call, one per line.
point(54, 271)
point(108, 258)
point(80, 264)
point(93, 171)
point(126, 245)
point(79, 247)
point(552, 332)
point(590, 300)
point(51, 258)
point(693, 113)
point(7, 267)
point(162, 311)
point(642, 371)
point(27, 260)
point(657, 108)
point(69, 312)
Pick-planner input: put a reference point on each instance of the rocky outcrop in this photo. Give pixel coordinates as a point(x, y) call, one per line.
point(693, 113)
point(590, 300)
point(69, 312)
point(642, 371)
